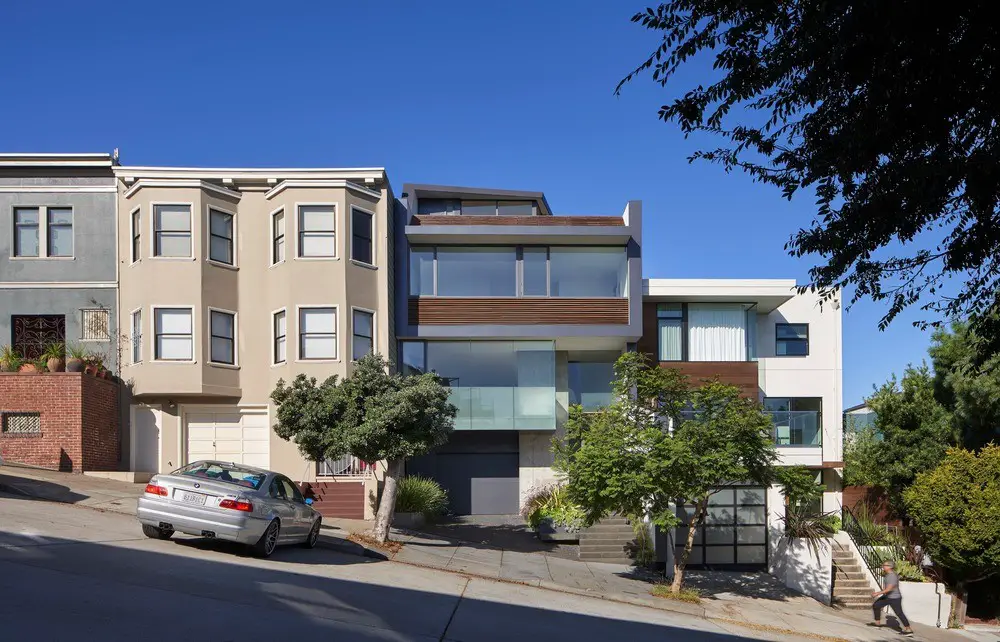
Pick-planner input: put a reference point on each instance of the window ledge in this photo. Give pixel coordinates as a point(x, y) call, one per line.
point(226, 366)
point(367, 266)
point(317, 361)
point(171, 258)
point(316, 258)
point(225, 266)
point(174, 362)
point(42, 258)
point(274, 265)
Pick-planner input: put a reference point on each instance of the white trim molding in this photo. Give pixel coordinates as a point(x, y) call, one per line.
point(58, 189)
point(197, 184)
point(88, 159)
point(57, 285)
point(342, 184)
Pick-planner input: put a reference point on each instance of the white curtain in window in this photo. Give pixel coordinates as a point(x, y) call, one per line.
point(717, 332)
point(670, 340)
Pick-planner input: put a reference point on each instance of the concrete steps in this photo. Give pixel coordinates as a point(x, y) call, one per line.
point(851, 589)
point(607, 541)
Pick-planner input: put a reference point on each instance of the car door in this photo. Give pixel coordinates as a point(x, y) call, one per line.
point(303, 514)
point(284, 509)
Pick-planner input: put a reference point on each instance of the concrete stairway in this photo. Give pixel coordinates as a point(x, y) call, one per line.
point(609, 540)
point(851, 589)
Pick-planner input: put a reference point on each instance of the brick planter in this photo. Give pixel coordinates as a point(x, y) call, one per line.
point(61, 420)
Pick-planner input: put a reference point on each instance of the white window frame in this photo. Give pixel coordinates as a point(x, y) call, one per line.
point(194, 332)
point(106, 311)
point(274, 336)
point(374, 329)
point(135, 255)
point(208, 238)
point(236, 333)
point(298, 332)
point(298, 243)
point(43, 232)
point(152, 231)
point(350, 226)
point(273, 238)
point(136, 347)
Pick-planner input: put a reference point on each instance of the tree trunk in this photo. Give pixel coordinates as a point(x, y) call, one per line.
point(387, 505)
point(679, 564)
point(959, 605)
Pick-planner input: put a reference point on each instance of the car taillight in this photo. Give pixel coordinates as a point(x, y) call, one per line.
point(237, 504)
point(153, 489)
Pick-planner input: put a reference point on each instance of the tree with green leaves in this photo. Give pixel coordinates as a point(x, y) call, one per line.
point(371, 414)
point(916, 432)
point(660, 443)
point(884, 112)
point(966, 384)
point(863, 457)
point(956, 506)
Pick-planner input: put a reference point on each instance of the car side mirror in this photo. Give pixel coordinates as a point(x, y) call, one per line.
point(309, 501)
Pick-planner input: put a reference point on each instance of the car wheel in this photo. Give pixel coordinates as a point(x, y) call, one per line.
point(156, 533)
point(268, 541)
point(313, 536)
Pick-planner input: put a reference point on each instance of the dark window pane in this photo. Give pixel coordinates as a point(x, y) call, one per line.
point(479, 208)
point(516, 208)
point(477, 271)
point(421, 271)
point(534, 264)
point(413, 357)
point(361, 236)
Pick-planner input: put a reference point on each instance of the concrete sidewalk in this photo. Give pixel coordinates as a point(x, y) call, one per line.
point(774, 612)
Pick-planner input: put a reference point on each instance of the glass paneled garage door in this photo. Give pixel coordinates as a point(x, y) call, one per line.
point(734, 533)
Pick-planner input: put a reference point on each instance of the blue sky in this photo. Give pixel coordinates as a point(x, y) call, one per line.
point(515, 95)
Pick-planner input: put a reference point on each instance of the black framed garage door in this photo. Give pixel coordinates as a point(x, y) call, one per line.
point(479, 469)
point(734, 533)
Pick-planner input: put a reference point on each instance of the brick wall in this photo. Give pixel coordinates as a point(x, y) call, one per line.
point(78, 417)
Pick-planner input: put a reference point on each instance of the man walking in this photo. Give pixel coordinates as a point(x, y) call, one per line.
point(890, 596)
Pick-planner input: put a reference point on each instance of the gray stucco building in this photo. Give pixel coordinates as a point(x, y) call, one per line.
point(58, 259)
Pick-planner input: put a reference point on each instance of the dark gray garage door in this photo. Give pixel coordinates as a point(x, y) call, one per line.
point(734, 533)
point(478, 469)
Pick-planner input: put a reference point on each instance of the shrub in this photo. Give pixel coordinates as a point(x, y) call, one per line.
point(551, 501)
point(834, 522)
point(802, 522)
point(421, 495)
point(909, 572)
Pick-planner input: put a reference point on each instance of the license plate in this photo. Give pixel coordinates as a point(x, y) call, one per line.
point(193, 498)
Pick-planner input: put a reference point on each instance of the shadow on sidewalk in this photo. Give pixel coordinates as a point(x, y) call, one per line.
point(37, 489)
point(491, 531)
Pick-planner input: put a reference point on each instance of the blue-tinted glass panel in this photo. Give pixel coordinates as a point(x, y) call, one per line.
point(477, 271)
point(421, 271)
point(587, 271)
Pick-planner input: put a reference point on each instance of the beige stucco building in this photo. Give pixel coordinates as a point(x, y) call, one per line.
point(232, 279)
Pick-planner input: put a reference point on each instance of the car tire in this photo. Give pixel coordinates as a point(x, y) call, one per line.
point(313, 535)
point(154, 532)
point(268, 540)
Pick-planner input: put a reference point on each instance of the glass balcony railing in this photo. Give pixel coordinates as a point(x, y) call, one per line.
point(504, 408)
point(797, 428)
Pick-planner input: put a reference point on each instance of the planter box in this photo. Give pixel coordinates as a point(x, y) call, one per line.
point(549, 532)
point(924, 603)
point(408, 520)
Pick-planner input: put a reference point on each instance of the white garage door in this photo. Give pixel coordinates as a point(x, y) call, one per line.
point(236, 435)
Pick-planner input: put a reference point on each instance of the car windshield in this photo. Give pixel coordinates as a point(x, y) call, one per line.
point(222, 472)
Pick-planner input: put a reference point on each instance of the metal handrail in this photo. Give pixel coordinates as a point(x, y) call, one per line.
point(864, 544)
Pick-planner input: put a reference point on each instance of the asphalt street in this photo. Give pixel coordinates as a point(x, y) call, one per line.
point(73, 573)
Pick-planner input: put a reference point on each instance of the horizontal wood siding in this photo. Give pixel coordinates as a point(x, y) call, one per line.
point(344, 499)
point(742, 374)
point(572, 221)
point(517, 311)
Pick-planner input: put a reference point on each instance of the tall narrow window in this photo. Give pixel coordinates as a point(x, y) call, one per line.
point(317, 237)
point(174, 334)
point(278, 237)
point(59, 231)
point(220, 227)
point(223, 328)
point(361, 237)
point(137, 336)
point(280, 337)
point(136, 235)
point(534, 271)
point(172, 231)
point(364, 333)
point(26, 231)
point(791, 339)
point(317, 333)
point(670, 331)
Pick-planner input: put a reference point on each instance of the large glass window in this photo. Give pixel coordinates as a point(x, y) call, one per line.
point(476, 271)
point(479, 208)
point(670, 331)
point(587, 271)
point(317, 333)
point(174, 334)
point(421, 271)
point(798, 421)
point(60, 231)
point(172, 230)
point(535, 272)
point(412, 355)
point(317, 237)
point(220, 228)
point(496, 385)
point(25, 231)
point(590, 378)
point(516, 208)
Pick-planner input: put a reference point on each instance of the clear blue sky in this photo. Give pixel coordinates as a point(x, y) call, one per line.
point(514, 95)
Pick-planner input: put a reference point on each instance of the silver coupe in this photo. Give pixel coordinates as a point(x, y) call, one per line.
point(228, 501)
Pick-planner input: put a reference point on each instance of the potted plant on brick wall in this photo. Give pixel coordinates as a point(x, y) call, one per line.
point(93, 364)
point(36, 366)
point(10, 360)
point(77, 358)
point(55, 357)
